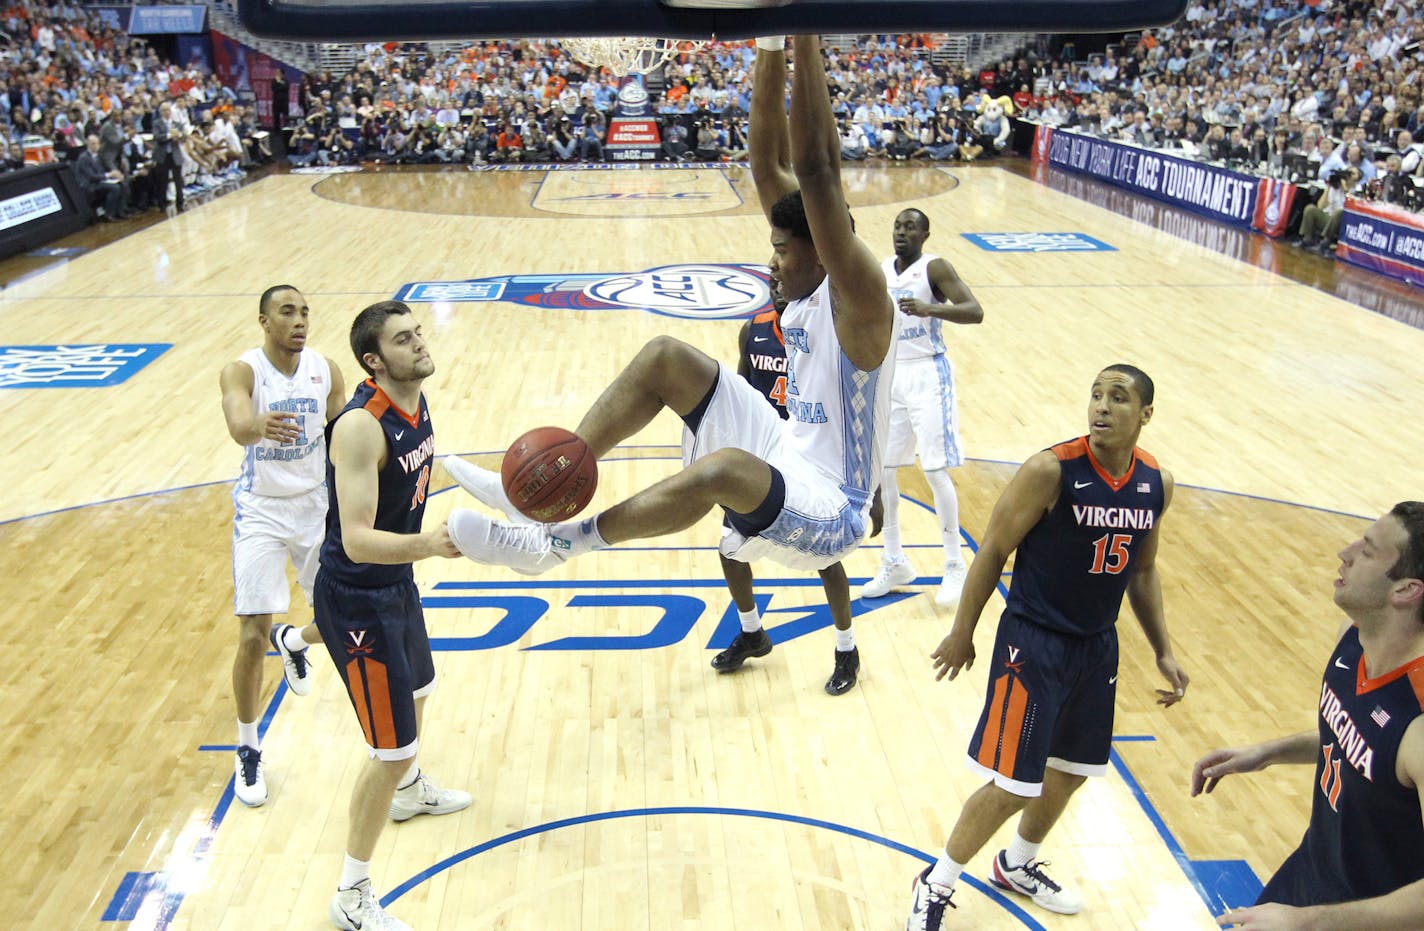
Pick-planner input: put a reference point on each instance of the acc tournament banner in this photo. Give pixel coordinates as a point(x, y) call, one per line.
point(1384, 239)
point(692, 292)
point(633, 131)
point(1231, 197)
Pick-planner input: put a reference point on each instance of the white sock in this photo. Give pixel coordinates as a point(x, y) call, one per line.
point(582, 535)
point(751, 620)
point(890, 529)
point(946, 502)
point(247, 735)
point(409, 778)
point(946, 872)
point(1020, 852)
point(845, 640)
point(772, 43)
point(353, 871)
point(292, 639)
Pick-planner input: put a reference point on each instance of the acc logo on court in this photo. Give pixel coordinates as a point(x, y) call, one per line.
point(693, 292)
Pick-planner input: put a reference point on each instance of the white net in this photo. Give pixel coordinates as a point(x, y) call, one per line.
point(624, 55)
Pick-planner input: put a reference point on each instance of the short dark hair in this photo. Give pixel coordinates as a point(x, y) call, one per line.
point(924, 220)
point(264, 303)
point(789, 213)
point(366, 329)
point(1140, 380)
point(1410, 564)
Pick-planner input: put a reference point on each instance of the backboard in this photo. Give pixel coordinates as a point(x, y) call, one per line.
point(402, 20)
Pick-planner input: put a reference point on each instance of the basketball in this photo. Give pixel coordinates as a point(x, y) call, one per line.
point(549, 474)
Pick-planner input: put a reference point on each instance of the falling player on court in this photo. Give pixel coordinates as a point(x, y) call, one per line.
point(797, 491)
point(923, 407)
point(761, 360)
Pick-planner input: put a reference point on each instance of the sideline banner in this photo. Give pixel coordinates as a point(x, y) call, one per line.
point(1232, 197)
point(1383, 239)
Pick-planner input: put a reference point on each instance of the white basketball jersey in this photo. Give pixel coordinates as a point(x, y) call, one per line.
point(839, 415)
point(280, 470)
point(920, 337)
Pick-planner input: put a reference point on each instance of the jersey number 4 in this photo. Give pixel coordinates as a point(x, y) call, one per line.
point(778, 391)
point(1110, 553)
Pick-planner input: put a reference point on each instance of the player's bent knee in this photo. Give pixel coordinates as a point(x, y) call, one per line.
point(737, 479)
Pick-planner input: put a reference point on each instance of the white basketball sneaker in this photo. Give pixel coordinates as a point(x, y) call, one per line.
point(1030, 880)
point(952, 585)
point(248, 783)
point(357, 909)
point(295, 668)
point(927, 911)
point(892, 575)
point(526, 548)
point(485, 485)
point(423, 797)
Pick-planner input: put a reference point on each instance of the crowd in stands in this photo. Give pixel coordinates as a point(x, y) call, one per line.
point(142, 133)
point(1321, 92)
point(1329, 96)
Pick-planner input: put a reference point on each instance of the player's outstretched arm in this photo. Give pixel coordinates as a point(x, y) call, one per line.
point(1226, 761)
point(768, 137)
point(864, 315)
point(1030, 494)
point(357, 447)
point(245, 428)
point(1144, 593)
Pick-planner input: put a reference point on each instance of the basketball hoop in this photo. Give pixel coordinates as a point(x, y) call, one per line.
point(624, 55)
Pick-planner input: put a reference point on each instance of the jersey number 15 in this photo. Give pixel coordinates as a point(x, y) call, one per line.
point(1110, 553)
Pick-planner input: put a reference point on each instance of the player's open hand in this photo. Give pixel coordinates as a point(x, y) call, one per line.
point(281, 427)
point(954, 652)
point(1272, 916)
point(1212, 768)
point(1177, 680)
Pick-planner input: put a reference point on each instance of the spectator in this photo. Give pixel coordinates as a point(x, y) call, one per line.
point(104, 188)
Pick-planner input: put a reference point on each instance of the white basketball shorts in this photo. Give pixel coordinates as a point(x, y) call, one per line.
point(923, 409)
point(266, 534)
point(819, 523)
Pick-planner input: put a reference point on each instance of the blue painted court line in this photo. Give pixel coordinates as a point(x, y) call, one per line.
point(137, 888)
point(133, 890)
point(993, 894)
point(1221, 884)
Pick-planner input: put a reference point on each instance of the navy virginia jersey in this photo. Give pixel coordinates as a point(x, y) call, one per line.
point(1073, 566)
point(765, 355)
point(410, 447)
point(1365, 833)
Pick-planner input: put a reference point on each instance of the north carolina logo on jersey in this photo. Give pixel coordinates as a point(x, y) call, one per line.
point(693, 292)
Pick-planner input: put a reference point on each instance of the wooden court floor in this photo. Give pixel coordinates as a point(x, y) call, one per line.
point(619, 783)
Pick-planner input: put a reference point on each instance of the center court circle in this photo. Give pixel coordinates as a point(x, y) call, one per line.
point(993, 895)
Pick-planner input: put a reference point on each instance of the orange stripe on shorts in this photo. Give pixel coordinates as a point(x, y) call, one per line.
point(989, 741)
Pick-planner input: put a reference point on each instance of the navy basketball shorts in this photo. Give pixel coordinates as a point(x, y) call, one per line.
point(376, 638)
point(1049, 704)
